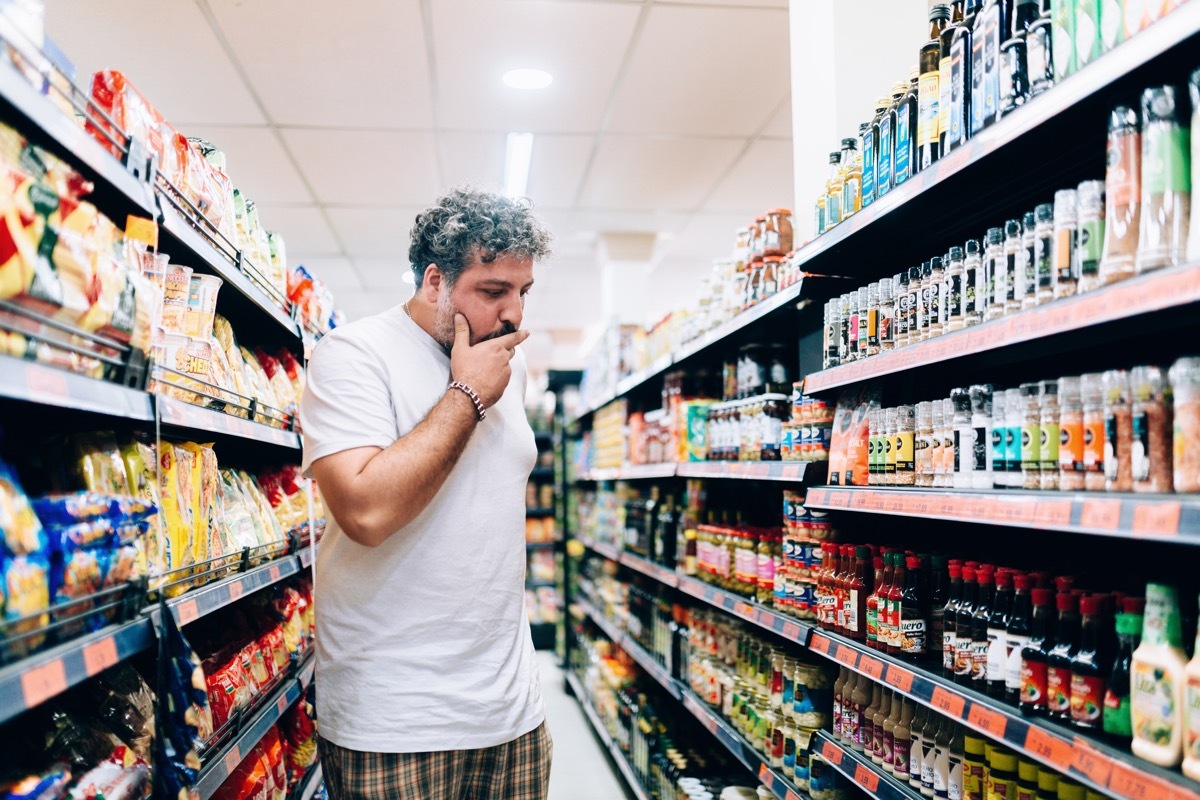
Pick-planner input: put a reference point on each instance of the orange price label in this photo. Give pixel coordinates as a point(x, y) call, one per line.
point(45, 382)
point(100, 655)
point(41, 683)
point(873, 667)
point(831, 753)
point(791, 630)
point(1156, 519)
point(281, 705)
point(232, 759)
point(142, 229)
point(866, 778)
point(1102, 514)
point(791, 472)
point(1091, 762)
point(1182, 793)
point(839, 500)
point(187, 611)
point(989, 721)
point(235, 590)
point(901, 678)
point(820, 644)
point(275, 574)
point(951, 704)
point(764, 774)
point(817, 497)
point(1049, 747)
point(791, 795)
point(847, 656)
point(1128, 782)
point(1056, 513)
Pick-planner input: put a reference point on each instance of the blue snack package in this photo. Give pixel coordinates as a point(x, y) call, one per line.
point(91, 533)
point(79, 573)
point(23, 533)
point(61, 510)
point(50, 785)
point(182, 697)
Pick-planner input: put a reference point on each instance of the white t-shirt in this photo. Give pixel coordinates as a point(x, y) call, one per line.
point(422, 642)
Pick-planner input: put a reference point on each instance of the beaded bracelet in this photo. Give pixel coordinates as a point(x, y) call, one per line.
point(469, 392)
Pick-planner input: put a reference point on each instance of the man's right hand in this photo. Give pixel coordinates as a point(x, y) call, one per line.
point(484, 367)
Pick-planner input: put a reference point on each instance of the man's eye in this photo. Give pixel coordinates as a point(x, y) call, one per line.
point(495, 295)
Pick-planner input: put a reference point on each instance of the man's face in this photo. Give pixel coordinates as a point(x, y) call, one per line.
point(490, 295)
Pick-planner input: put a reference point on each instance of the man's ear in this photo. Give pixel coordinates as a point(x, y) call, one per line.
point(432, 285)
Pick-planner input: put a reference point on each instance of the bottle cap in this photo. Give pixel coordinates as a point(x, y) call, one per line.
point(1021, 582)
point(1029, 220)
point(972, 247)
point(1012, 228)
point(956, 254)
point(1044, 213)
point(914, 274)
point(1133, 605)
point(849, 144)
point(913, 562)
point(1063, 583)
point(1042, 597)
point(984, 576)
point(1065, 601)
point(939, 11)
point(835, 157)
point(956, 571)
point(1004, 579)
point(1091, 606)
point(930, 266)
point(1158, 104)
point(1129, 624)
point(968, 574)
point(995, 236)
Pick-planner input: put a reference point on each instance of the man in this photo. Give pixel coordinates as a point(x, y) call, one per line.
point(415, 430)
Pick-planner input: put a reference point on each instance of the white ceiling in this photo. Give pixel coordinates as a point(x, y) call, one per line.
point(343, 119)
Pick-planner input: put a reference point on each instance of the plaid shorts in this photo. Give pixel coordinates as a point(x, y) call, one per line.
point(517, 770)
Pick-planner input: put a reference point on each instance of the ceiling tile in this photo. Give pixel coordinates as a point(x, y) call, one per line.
point(580, 44)
point(304, 229)
point(364, 66)
point(374, 232)
point(704, 71)
point(366, 167)
point(163, 48)
point(706, 238)
point(740, 4)
point(656, 173)
point(557, 169)
point(475, 159)
point(762, 179)
point(335, 272)
point(780, 126)
point(257, 163)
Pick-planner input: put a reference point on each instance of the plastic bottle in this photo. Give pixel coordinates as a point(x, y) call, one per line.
point(1157, 683)
point(1090, 235)
point(953, 298)
point(916, 309)
point(1116, 719)
point(902, 737)
point(895, 599)
point(878, 733)
point(975, 297)
point(997, 275)
point(1193, 250)
point(998, 451)
point(1014, 411)
point(1014, 266)
point(1049, 433)
point(1036, 654)
point(903, 308)
point(956, 768)
point(941, 760)
point(1044, 252)
point(1071, 437)
point(934, 279)
point(964, 439)
point(887, 315)
point(889, 734)
point(1091, 391)
point(1112, 24)
point(1191, 710)
point(964, 621)
point(1122, 189)
point(981, 422)
point(1029, 266)
point(1058, 672)
point(1166, 182)
point(1063, 39)
point(1088, 41)
point(864, 321)
point(1065, 222)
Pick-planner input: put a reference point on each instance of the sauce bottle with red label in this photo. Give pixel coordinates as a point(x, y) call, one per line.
point(963, 627)
point(1058, 663)
point(1091, 664)
point(1036, 654)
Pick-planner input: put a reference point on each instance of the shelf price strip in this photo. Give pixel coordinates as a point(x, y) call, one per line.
point(862, 773)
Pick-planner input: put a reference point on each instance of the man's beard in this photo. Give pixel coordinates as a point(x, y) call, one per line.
point(443, 325)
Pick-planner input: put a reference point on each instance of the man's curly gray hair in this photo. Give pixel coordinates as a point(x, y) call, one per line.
point(467, 222)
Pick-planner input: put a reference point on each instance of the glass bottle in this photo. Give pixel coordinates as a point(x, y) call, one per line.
point(1090, 234)
point(936, 459)
point(889, 733)
point(1118, 431)
point(1013, 68)
point(864, 318)
point(1049, 433)
point(871, 625)
point(890, 427)
point(1116, 719)
point(1064, 242)
point(1035, 655)
point(870, 151)
point(1014, 269)
point(998, 450)
point(833, 191)
point(851, 179)
point(991, 30)
point(929, 148)
point(1031, 437)
point(1123, 193)
point(1014, 410)
point(859, 587)
point(985, 576)
point(956, 768)
point(981, 422)
point(879, 743)
point(914, 623)
point(953, 303)
point(1058, 662)
point(914, 305)
point(852, 327)
point(941, 767)
point(939, 591)
point(902, 738)
point(1044, 252)
point(950, 617)
point(885, 158)
point(1029, 281)
point(895, 599)
point(916, 755)
point(868, 720)
point(949, 451)
point(860, 701)
point(887, 316)
point(997, 642)
point(1039, 53)
point(964, 621)
point(961, 79)
point(1071, 438)
point(1166, 182)
point(923, 447)
point(945, 72)
point(1017, 634)
point(975, 296)
point(903, 307)
point(906, 124)
point(930, 298)
point(1090, 665)
point(1062, 43)
point(964, 439)
point(873, 319)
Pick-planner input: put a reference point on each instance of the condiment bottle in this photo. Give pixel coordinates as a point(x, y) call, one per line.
point(859, 587)
point(1185, 388)
point(1044, 252)
point(990, 31)
point(964, 439)
point(1090, 234)
point(1166, 182)
point(852, 329)
point(916, 753)
point(950, 617)
point(959, 116)
point(1064, 243)
point(1039, 50)
point(1013, 68)
point(923, 447)
point(1018, 633)
point(945, 40)
point(1158, 674)
point(964, 621)
point(1118, 431)
point(1090, 665)
point(895, 599)
point(981, 421)
point(997, 276)
point(914, 305)
point(1029, 264)
point(934, 280)
point(868, 720)
point(1091, 391)
point(877, 604)
point(833, 191)
point(1050, 433)
point(914, 622)
point(879, 749)
point(941, 761)
point(1058, 663)
point(1031, 437)
point(873, 319)
point(1014, 269)
point(1014, 411)
point(887, 143)
point(1193, 249)
point(985, 575)
point(974, 291)
point(1151, 430)
point(1122, 190)
point(949, 451)
point(952, 303)
point(851, 179)
point(998, 450)
point(903, 307)
point(870, 151)
point(1036, 654)
point(864, 317)
point(906, 125)
point(1063, 39)
point(997, 639)
point(860, 702)
point(939, 592)
point(1071, 437)
point(1116, 719)
point(974, 765)
point(902, 737)
point(956, 768)
point(889, 733)
point(936, 444)
point(929, 148)
point(890, 426)
point(1191, 706)
point(1088, 41)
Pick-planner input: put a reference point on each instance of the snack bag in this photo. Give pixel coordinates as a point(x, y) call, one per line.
point(183, 704)
point(26, 593)
point(848, 456)
point(176, 518)
point(23, 533)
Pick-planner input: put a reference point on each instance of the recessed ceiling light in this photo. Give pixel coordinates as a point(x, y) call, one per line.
point(528, 78)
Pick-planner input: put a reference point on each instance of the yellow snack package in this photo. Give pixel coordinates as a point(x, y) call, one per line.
point(177, 545)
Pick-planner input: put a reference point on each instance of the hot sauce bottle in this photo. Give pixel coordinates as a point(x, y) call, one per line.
point(861, 584)
point(1058, 662)
point(950, 618)
point(872, 605)
point(1090, 665)
point(894, 600)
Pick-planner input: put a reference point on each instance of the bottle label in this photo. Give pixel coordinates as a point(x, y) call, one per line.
point(872, 327)
point(992, 38)
point(868, 171)
point(1165, 161)
point(1012, 668)
point(833, 213)
point(979, 450)
point(928, 111)
point(1063, 47)
point(1064, 251)
point(1049, 446)
point(979, 658)
point(997, 280)
point(948, 639)
point(1043, 248)
point(944, 80)
point(889, 748)
point(1141, 447)
point(1013, 274)
point(1071, 449)
point(902, 166)
point(1087, 698)
point(1110, 447)
point(912, 635)
point(1191, 717)
point(940, 776)
point(851, 613)
point(933, 302)
point(970, 291)
point(883, 158)
point(999, 450)
point(872, 623)
point(1091, 246)
point(1012, 448)
point(851, 717)
point(966, 450)
point(900, 753)
point(954, 297)
point(1152, 703)
point(904, 452)
point(1029, 265)
point(1033, 683)
point(1123, 175)
point(1031, 447)
point(1058, 689)
point(959, 64)
point(954, 779)
point(1116, 717)
point(997, 656)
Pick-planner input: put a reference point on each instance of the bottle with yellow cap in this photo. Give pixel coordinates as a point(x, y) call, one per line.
point(1027, 779)
point(1047, 784)
point(973, 766)
point(1002, 775)
point(1069, 790)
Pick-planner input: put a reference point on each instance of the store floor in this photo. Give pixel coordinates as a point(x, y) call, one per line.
point(581, 768)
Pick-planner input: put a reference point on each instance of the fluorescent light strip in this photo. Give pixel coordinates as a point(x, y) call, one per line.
point(517, 157)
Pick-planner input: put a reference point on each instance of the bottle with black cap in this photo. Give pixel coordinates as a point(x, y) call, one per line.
point(929, 147)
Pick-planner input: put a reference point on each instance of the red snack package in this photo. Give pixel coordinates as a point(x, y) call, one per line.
point(848, 456)
point(227, 688)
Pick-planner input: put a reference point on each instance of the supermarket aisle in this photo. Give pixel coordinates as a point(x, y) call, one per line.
point(581, 770)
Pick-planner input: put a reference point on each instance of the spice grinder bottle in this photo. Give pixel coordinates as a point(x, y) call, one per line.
point(1122, 188)
point(1166, 182)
